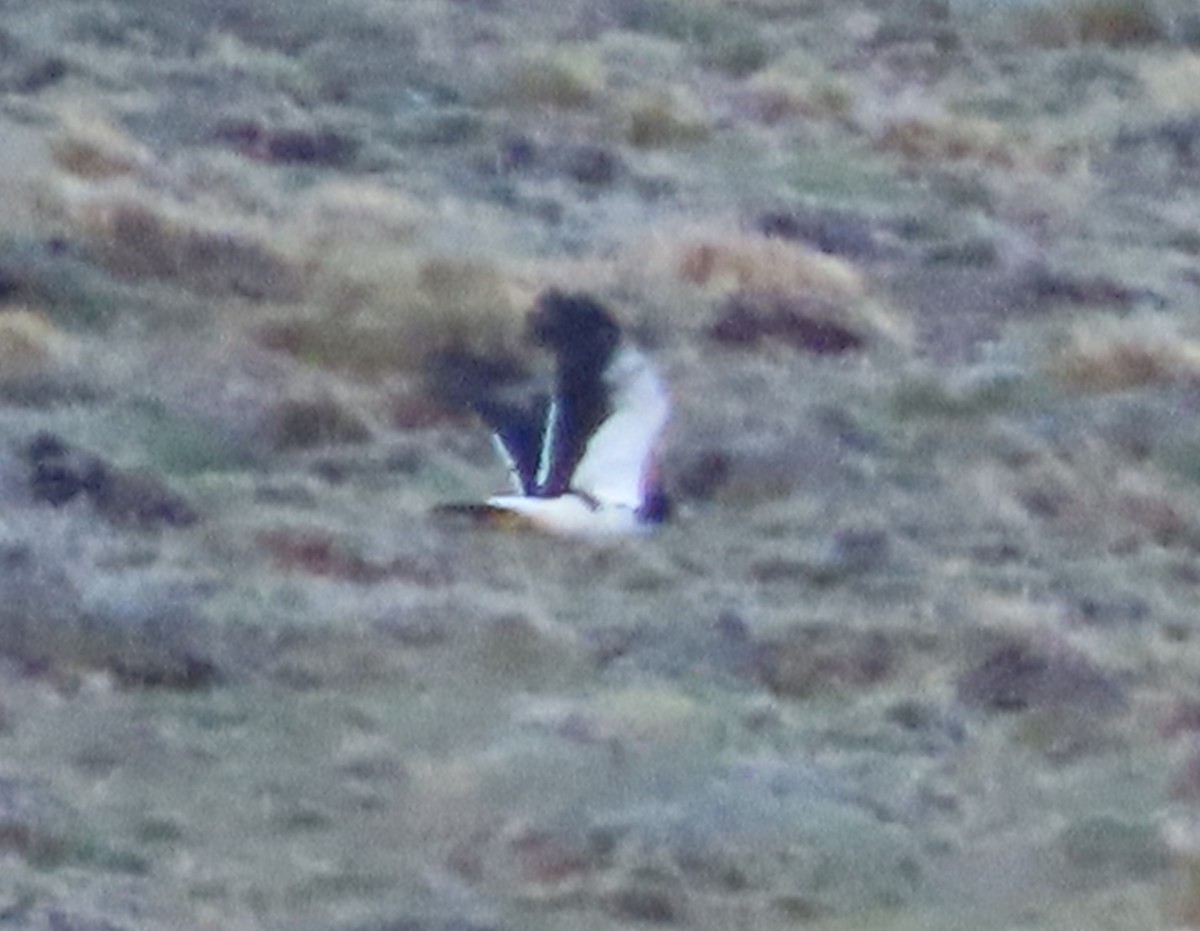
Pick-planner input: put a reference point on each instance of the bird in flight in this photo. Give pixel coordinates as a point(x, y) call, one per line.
point(583, 461)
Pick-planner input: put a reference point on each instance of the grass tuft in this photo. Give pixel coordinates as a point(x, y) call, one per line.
point(138, 235)
point(563, 77)
point(726, 38)
point(744, 262)
point(663, 120)
point(1099, 358)
point(951, 138)
point(89, 146)
point(1115, 23)
point(139, 221)
point(376, 312)
point(31, 347)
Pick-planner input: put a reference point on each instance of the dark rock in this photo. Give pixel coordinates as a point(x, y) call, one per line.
point(1181, 137)
point(183, 673)
point(516, 153)
point(45, 73)
point(1049, 286)
point(1019, 676)
point(325, 148)
point(10, 284)
point(826, 230)
point(592, 165)
point(1115, 611)
point(138, 499)
point(59, 473)
point(802, 321)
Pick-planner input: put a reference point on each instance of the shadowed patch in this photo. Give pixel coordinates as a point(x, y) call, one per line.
point(58, 472)
point(802, 321)
point(288, 145)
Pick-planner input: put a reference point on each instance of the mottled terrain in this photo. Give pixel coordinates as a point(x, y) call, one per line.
point(921, 647)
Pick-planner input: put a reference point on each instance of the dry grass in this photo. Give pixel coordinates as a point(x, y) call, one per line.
point(140, 221)
point(683, 279)
point(562, 77)
point(89, 146)
point(954, 139)
point(1117, 23)
point(1104, 356)
point(30, 345)
point(722, 264)
point(776, 95)
point(375, 312)
point(138, 234)
point(340, 213)
point(664, 119)
point(346, 282)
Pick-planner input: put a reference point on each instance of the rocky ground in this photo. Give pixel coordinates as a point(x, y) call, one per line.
point(921, 648)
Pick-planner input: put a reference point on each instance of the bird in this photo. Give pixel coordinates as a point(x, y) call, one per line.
point(582, 461)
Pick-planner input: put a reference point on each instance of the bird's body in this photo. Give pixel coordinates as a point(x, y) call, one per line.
point(584, 461)
point(571, 515)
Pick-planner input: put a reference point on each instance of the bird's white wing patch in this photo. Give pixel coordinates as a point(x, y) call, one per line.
point(549, 441)
point(569, 515)
point(514, 473)
point(619, 457)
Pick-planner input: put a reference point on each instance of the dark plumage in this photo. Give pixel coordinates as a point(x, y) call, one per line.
point(583, 337)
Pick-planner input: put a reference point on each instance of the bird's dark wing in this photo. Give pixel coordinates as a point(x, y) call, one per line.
point(583, 337)
point(573, 418)
point(518, 434)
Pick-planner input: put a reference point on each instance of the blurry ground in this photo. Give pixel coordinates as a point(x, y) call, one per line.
point(922, 648)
